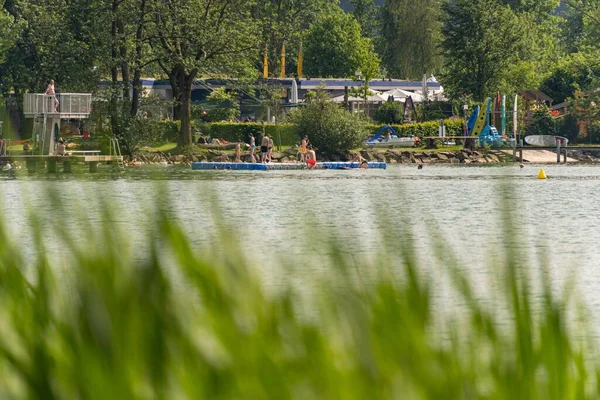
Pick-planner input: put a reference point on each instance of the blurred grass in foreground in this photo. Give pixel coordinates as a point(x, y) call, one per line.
point(116, 326)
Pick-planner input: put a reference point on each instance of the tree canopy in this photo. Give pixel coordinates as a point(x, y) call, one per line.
point(335, 47)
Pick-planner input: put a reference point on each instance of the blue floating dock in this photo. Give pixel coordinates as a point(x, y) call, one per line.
point(207, 166)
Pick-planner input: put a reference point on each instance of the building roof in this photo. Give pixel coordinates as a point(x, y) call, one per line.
point(303, 84)
point(537, 95)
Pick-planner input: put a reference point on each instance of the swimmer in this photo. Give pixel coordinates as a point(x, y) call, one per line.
point(420, 166)
point(264, 148)
point(311, 158)
point(521, 166)
point(364, 165)
point(252, 147)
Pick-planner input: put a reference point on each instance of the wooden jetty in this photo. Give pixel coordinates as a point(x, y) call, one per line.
point(36, 163)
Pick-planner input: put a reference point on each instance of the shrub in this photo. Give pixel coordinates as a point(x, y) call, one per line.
point(567, 127)
point(454, 127)
point(542, 124)
point(390, 112)
point(331, 128)
point(170, 130)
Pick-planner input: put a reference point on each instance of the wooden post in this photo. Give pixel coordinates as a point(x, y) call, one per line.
point(31, 165)
point(93, 166)
point(558, 151)
point(51, 165)
point(565, 156)
point(521, 154)
point(514, 151)
point(67, 166)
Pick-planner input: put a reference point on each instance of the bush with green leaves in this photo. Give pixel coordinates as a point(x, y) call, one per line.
point(542, 123)
point(454, 127)
point(390, 112)
point(330, 128)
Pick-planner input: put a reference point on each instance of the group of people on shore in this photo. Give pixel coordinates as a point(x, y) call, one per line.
point(306, 155)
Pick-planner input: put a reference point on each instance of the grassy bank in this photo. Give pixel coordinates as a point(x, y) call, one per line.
point(172, 322)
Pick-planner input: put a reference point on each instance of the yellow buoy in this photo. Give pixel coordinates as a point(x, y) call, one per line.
point(542, 174)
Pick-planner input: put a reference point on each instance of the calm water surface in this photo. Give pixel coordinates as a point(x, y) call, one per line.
point(274, 212)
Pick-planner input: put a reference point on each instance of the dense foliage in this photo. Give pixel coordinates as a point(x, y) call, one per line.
point(330, 128)
point(475, 47)
point(542, 122)
point(119, 324)
point(334, 47)
point(390, 112)
point(410, 38)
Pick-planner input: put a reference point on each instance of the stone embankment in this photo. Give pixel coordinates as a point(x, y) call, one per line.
point(585, 155)
point(391, 156)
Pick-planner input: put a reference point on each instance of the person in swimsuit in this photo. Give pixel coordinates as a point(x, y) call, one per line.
point(311, 158)
point(252, 147)
point(51, 92)
point(303, 147)
point(238, 153)
point(270, 149)
point(264, 148)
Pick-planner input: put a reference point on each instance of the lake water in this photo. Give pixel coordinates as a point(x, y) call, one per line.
point(289, 215)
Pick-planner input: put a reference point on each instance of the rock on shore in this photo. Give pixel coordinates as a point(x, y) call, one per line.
point(390, 156)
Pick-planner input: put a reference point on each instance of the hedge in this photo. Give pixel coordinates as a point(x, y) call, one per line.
point(239, 132)
point(454, 127)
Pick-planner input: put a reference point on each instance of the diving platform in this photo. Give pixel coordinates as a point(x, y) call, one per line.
point(210, 166)
point(61, 105)
point(47, 111)
point(49, 162)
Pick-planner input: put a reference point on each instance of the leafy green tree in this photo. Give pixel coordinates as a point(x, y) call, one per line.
point(481, 41)
point(541, 8)
point(331, 129)
point(367, 13)
point(577, 72)
point(286, 22)
point(226, 107)
point(334, 47)
point(46, 46)
point(542, 124)
point(9, 32)
point(192, 38)
point(410, 38)
point(390, 112)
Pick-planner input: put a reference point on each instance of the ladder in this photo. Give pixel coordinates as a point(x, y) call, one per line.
point(115, 150)
point(39, 132)
point(4, 144)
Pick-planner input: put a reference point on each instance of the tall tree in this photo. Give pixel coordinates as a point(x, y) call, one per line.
point(410, 37)
point(286, 22)
point(481, 40)
point(367, 13)
point(193, 38)
point(335, 47)
point(47, 47)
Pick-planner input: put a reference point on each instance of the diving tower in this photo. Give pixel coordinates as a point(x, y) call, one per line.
point(48, 110)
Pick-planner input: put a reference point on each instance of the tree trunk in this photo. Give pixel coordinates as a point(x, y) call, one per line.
point(174, 79)
point(137, 73)
point(185, 133)
point(114, 71)
point(124, 63)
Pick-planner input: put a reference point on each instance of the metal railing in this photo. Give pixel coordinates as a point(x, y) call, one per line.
point(73, 104)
